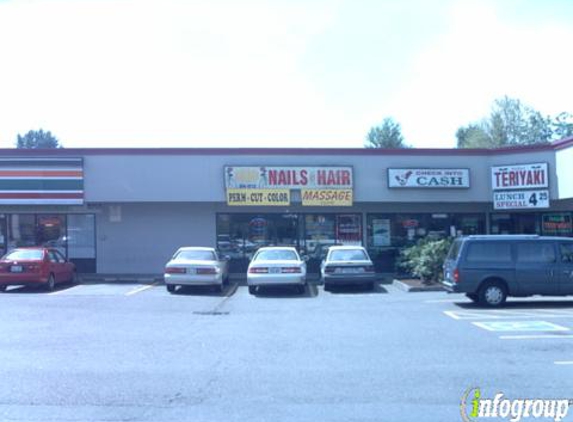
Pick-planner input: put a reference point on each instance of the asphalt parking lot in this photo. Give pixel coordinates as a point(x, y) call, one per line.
point(133, 352)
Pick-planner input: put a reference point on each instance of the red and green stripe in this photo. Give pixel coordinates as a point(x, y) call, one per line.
point(41, 181)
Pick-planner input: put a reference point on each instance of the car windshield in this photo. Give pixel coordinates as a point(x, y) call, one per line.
point(196, 255)
point(276, 255)
point(348, 255)
point(25, 254)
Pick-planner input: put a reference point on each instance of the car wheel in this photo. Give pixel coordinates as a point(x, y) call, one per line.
point(219, 288)
point(369, 286)
point(171, 288)
point(300, 289)
point(253, 290)
point(3, 288)
point(326, 287)
point(472, 296)
point(492, 294)
point(74, 278)
point(51, 283)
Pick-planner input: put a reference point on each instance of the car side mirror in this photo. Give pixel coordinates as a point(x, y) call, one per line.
point(305, 258)
point(226, 257)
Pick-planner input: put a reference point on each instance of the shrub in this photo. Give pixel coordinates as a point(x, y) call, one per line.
point(426, 258)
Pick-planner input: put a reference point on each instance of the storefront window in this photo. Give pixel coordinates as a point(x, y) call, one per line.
point(22, 231)
point(400, 230)
point(387, 234)
point(81, 236)
point(51, 231)
point(557, 224)
point(470, 224)
point(515, 223)
point(319, 233)
point(240, 235)
point(349, 229)
point(73, 235)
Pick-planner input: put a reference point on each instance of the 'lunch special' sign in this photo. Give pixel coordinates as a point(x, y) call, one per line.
point(319, 186)
point(522, 176)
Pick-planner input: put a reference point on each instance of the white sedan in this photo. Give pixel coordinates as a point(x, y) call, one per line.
point(193, 266)
point(273, 266)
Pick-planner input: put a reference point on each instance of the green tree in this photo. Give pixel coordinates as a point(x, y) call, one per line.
point(37, 139)
point(563, 125)
point(426, 258)
point(513, 123)
point(474, 136)
point(387, 135)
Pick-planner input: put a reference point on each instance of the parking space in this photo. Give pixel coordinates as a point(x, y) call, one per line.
point(157, 288)
point(530, 324)
point(100, 289)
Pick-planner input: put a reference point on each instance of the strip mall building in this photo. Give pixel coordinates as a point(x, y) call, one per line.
point(125, 211)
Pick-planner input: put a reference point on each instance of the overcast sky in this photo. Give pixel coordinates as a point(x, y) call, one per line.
point(275, 73)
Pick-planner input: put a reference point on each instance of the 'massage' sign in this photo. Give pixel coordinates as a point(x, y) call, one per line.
point(522, 176)
point(428, 178)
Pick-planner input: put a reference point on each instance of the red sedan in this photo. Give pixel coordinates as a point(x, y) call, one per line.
point(35, 266)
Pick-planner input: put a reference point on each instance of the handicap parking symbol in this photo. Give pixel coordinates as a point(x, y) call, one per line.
point(520, 326)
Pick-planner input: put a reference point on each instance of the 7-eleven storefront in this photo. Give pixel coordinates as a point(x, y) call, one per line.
point(36, 195)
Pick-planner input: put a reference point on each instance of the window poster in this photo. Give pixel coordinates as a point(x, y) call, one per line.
point(348, 229)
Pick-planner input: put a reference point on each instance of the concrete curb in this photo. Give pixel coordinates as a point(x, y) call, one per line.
point(409, 289)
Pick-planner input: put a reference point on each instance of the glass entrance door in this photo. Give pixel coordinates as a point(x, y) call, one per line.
point(319, 234)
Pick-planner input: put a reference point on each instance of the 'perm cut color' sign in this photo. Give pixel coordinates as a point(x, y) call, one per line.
point(271, 177)
point(428, 178)
point(267, 197)
point(522, 176)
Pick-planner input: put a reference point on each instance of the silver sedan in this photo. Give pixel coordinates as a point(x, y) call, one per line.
point(194, 266)
point(272, 266)
point(347, 265)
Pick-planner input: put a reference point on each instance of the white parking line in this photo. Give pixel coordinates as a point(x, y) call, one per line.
point(141, 289)
point(452, 314)
point(57, 292)
point(509, 314)
point(563, 362)
point(519, 326)
point(535, 336)
point(442, 300)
